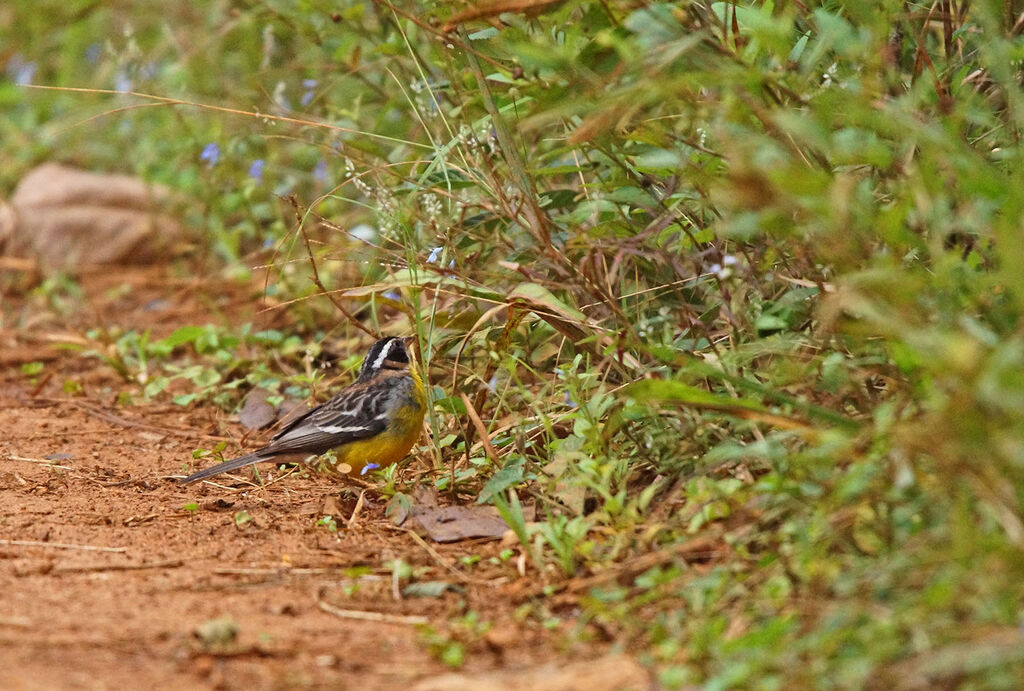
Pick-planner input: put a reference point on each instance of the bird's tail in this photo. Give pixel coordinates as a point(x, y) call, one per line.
point(225, 467)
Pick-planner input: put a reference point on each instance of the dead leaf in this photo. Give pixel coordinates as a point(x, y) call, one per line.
point(596, 124)
point(256, 412)
point(290, 409)
point(425, 497)
point(571, 494)
point(330, 507)
point(218, 504)
point(454, 523)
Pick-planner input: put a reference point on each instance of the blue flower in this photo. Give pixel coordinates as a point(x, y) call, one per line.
point(307, 97)
point(320, 170)
point(368, 467)
point(256, 169)
point(93, 52)
point(434, 253)
point(122, 82)
point(20, 71)
point(568, 400)
point(392, 295)
point(211, 154)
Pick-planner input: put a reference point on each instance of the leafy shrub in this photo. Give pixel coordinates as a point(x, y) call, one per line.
point(696, 267)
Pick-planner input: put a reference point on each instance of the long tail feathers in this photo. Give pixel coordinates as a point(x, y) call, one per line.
point(226, 467)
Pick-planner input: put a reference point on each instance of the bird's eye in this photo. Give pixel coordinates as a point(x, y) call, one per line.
point(398, 353)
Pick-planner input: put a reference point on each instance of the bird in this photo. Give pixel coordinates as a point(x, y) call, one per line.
point(371, 423)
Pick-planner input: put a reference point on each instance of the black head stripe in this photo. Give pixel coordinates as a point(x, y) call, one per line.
point(373, 356)
point(383, 351)
point(398, 353)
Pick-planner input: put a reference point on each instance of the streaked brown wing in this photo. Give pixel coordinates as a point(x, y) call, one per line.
point(354, 413)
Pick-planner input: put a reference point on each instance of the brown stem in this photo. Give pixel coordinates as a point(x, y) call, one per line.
point(316, 274)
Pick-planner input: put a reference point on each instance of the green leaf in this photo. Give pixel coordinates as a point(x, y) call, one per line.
point(206, 377)
point(184, 334)
point(451, 404)
point(156, 386)
point(453, 654)
point(634, 196)
point(675, 391)
point(268, 336)
point(770, 323)
point(432, 589)
point(509, 476)
point(551, 309)
point(483, 34)
point(31, 369)
point(398, 508)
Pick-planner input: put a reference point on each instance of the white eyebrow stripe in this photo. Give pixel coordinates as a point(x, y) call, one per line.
point(334, 429)
point(384, 352)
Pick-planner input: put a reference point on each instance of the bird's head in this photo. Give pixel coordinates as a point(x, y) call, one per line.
point(386, 354)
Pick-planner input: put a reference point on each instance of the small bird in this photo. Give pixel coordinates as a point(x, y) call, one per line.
point(372, 422)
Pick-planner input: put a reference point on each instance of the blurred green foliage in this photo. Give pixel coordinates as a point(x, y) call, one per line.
point(799, 223)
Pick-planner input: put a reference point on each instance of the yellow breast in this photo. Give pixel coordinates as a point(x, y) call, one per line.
point(393, 444)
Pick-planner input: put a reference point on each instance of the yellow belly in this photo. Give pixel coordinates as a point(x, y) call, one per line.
point(393, 444)
point(384, 449)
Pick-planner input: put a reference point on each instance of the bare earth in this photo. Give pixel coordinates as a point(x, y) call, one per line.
point(108, 581)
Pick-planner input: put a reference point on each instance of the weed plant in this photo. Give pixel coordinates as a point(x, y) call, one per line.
point(743, 276)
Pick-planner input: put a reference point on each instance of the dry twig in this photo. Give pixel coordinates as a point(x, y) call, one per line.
point(167, 564)
point(363, 615)
point(444, 563)
point(60, 545)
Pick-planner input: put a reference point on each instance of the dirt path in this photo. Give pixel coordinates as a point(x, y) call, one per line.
point(110, 581)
